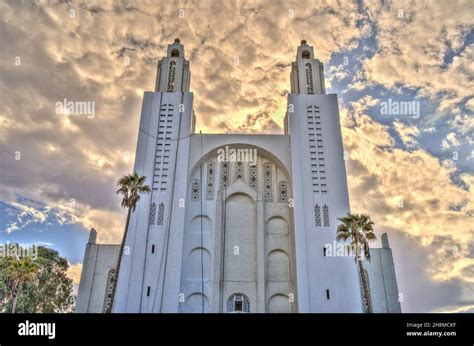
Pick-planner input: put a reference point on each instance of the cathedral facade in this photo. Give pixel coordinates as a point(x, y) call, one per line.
point(235, 222)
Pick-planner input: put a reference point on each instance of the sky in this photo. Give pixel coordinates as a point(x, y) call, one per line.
point(412, 172)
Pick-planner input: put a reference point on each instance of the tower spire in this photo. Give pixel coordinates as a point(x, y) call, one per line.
point(307, 73)
point(173, 73)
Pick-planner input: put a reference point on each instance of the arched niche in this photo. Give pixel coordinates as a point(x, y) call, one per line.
point(277, 226)
point(198, 265)
point(279, 303)
point(240, 238)
point(195, 302)
point(200, 222)
point(278, 266)
point(211, 154)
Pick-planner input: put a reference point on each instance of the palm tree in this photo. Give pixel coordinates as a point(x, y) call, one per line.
point(359, 228)
point(19, 272)
point(130, 187)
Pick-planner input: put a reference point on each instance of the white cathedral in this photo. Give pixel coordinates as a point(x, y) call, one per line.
point(237, 222)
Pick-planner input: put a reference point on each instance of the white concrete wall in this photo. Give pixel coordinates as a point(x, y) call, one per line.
point(99, 259)
point(243, 221)
point(166, 173)
point(382, 279)
point(315, 272)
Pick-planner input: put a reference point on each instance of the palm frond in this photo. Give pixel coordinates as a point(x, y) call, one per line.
point(359, 228)
point(130, 187)
point(343, 236)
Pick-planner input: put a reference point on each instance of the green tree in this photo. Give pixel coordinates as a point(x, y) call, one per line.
point(130, 187)
point(18, 271)
point(359, 228)
point(45, 287)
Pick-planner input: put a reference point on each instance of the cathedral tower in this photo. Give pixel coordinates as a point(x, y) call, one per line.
point(149, 278)
point(173, 73)
point(325, 283)
point(307, 72)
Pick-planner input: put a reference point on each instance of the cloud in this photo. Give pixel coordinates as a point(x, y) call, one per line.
point(470, 104)
point(411, 192)
point(450, 141)
point(11, 227)
point(464, 124)
point(337, 73)
point(430, 129)
point(74, 272)
point(407, 134)
point(457, 309)
point(27, 213)
point(418, 52)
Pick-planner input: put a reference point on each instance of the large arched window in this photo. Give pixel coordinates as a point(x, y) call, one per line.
point(238, 303)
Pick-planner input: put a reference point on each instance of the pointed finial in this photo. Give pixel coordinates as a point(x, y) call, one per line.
point(92, 236)
point(303, 41)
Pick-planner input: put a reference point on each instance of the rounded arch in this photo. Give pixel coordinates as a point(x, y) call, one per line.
point(277, 225)
point(238, 195)
point(278, 266)
point(175, 53)
point(198, 264)
point(279, 303)
point(240, 238)
point(212, 154)
point(305, 54)
point(198, 221)
point(197, 303)
point(238, 302)
point(231, 193)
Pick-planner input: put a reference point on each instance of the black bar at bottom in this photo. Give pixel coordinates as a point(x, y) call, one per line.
point(315, 329)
